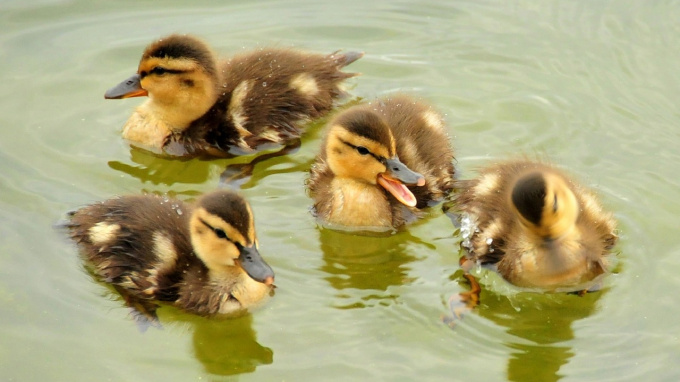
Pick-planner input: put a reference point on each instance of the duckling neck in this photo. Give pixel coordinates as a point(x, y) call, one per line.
point(146, 130)
point(359, 204)
point(553, 262)
point(236, 282)
point(154, 121)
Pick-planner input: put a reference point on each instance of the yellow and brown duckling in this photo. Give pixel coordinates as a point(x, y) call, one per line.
point(540, 228)
point(203, 258)
point(199, 106)
point(380, 164)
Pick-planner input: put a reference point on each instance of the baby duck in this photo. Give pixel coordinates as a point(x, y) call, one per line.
point(203, 258)
point(538, 227)
point(380, 164)
point(199, 106)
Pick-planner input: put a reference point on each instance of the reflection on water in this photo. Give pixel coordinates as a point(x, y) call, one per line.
point(229, 347)
point(370, 265)
point(224, 346)
point(542, 327)
point(157, 170)
point(597, 76)
point(149, 167)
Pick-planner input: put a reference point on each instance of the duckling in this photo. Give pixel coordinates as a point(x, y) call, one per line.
point(380, 164)
point(199, 106)
point(202, 258)
point(536, 225)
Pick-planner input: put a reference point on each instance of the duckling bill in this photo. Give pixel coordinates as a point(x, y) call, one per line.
point(536, 225)
point(202, 258)
point(199, 106)
point(380, 164)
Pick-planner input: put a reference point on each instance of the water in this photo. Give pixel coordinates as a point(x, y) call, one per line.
point(593, 86)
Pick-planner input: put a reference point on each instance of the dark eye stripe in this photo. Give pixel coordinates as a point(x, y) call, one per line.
point(361, 150)
point(159, 70)
point(219, 232)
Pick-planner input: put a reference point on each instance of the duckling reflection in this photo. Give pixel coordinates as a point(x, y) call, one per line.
point(229, 349)
point(148, 167)
point(371, 265)
point(224, 346)
point(542, 325)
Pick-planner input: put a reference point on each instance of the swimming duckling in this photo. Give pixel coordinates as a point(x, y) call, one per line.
point(538, 227)
point(380, 164)
point(202, 258)
point(199, 106)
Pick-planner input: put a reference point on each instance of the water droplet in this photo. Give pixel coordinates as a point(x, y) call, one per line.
point(489, 241)
point(264, 84)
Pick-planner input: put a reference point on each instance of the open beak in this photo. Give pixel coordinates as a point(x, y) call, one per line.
point(131, 87)
point(255, 266)
point(395, 179)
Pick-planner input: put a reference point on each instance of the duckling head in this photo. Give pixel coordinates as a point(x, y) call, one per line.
point(179, 75)
point(360, 146)
point(223, 235)
point(546, 204)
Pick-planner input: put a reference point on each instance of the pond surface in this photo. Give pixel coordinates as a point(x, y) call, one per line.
point(592, 86)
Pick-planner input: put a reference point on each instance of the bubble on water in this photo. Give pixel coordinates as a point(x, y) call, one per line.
point(467, 227)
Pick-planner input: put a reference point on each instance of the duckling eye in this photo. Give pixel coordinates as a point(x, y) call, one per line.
point(158, 70)
point(362, 150)
point(220, 233)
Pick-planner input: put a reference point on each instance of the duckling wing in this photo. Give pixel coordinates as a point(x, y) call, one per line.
point(138, 243)
point(267, 96)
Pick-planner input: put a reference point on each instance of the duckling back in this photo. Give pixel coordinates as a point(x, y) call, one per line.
point(199, 106)
point(139, 243)
point(203, 258)
point(268, 95)
point(540, 228)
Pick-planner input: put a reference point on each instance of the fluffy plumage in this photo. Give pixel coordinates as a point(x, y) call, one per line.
point(202, 258)
point(540, 228)
point(199, 106)
point(380, 164)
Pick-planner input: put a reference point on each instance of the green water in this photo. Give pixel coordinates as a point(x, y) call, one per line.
point(591, 85)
